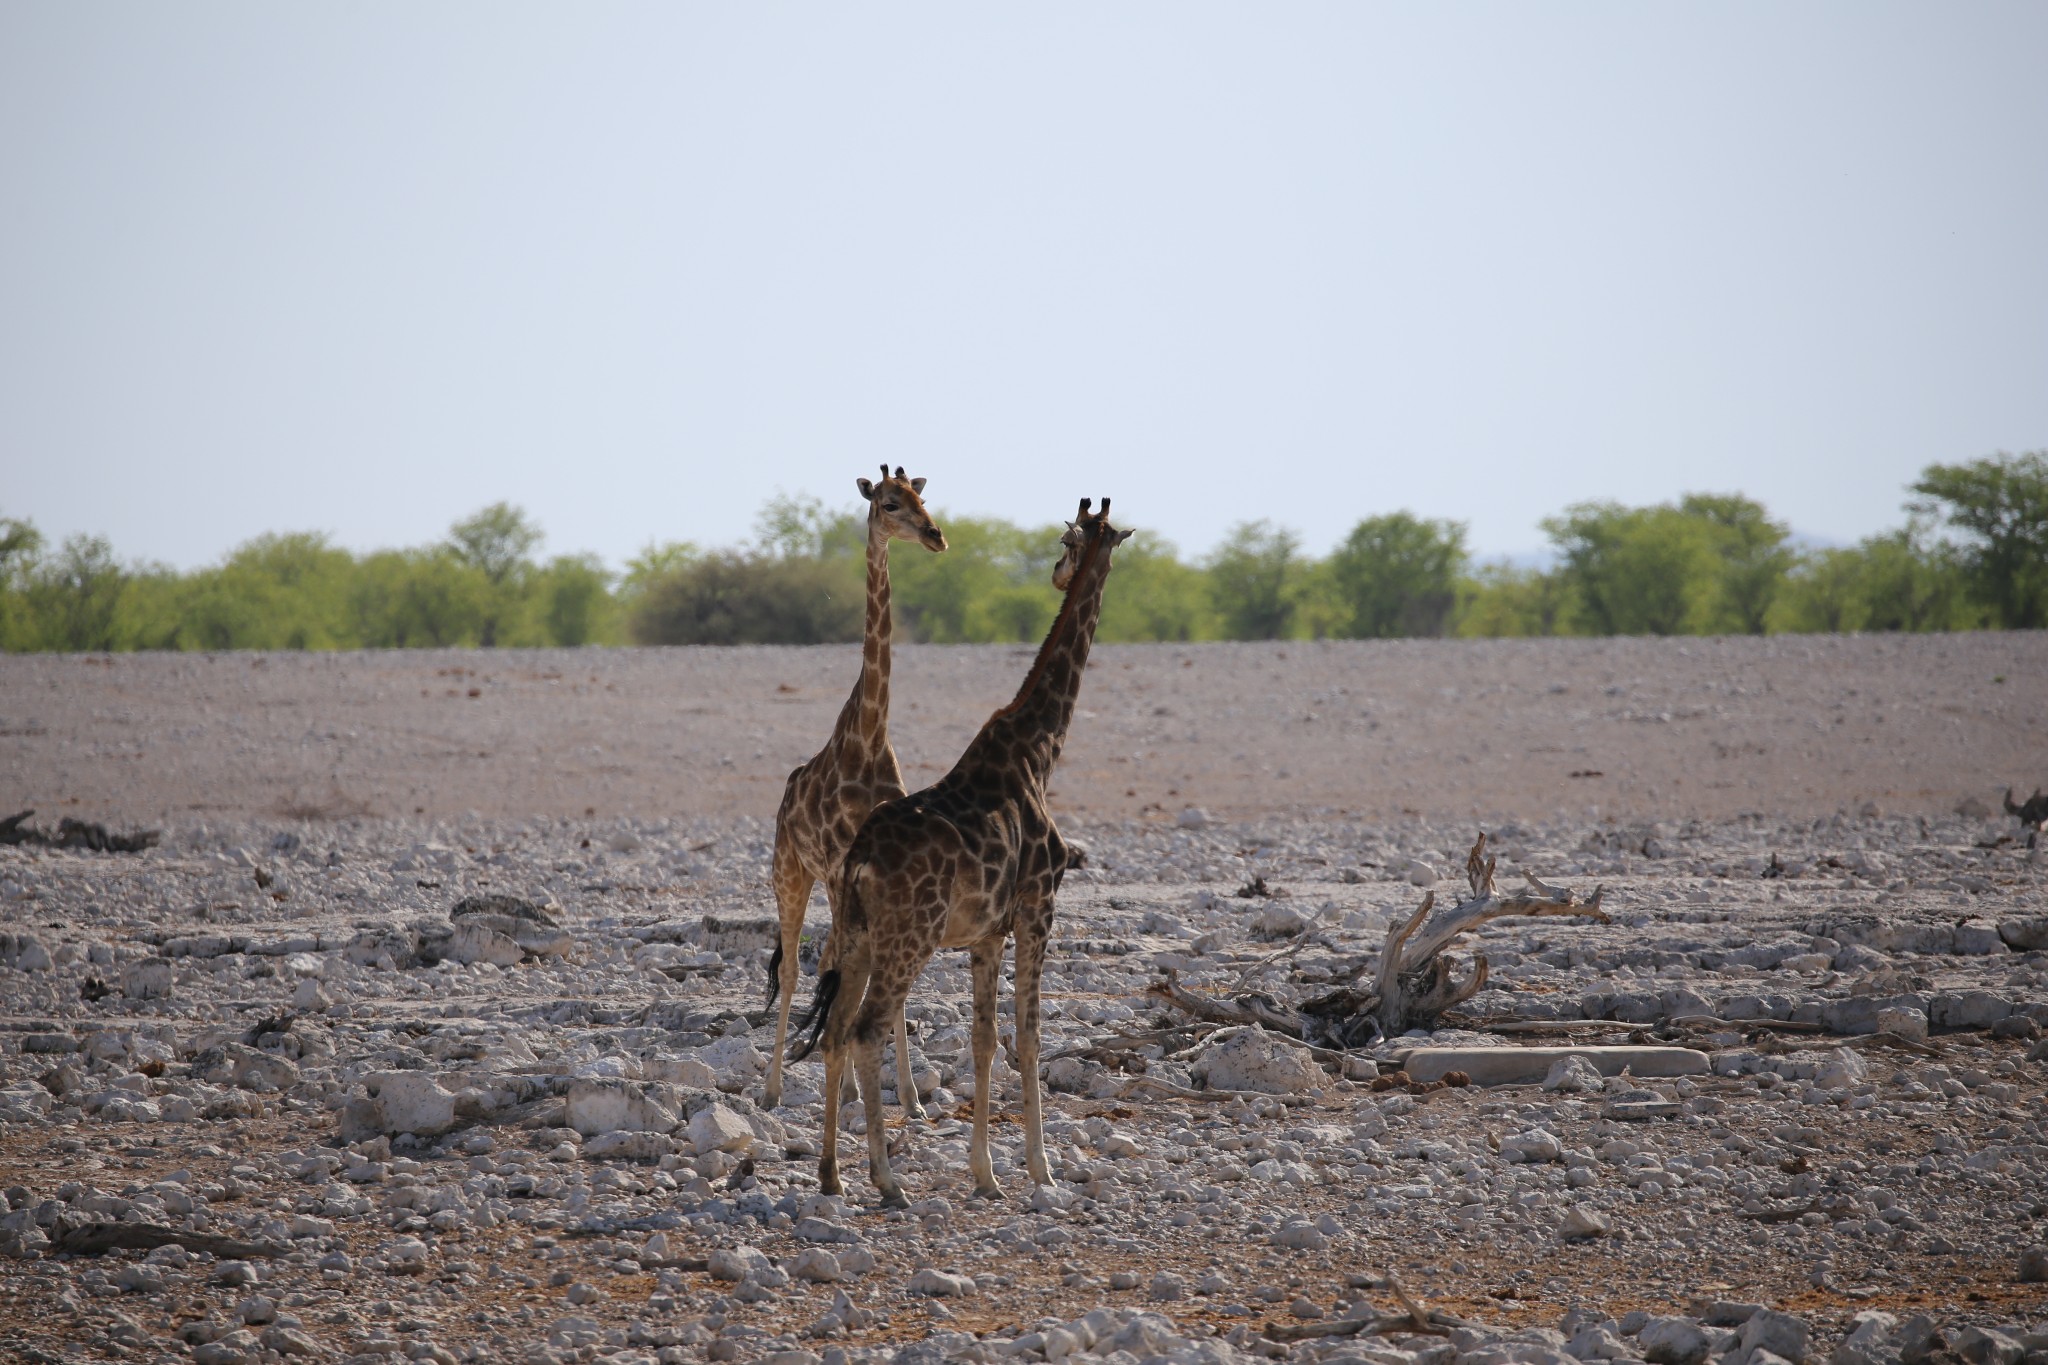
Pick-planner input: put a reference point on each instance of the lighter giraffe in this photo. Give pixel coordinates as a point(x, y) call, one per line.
point(965, 863)
point(827, 798)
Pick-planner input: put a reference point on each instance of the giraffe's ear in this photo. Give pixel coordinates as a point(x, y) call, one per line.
point(917, 487)
point(867, 490)
point(1121, 537)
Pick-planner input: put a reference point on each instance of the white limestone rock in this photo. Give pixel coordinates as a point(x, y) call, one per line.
point(1257, 1061)
point(149, 979)
point(715, 1128)
point(398, 1102)
point(609, 1106)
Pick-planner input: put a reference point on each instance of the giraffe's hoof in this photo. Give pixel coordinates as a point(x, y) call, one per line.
point(895, 1199)
point(987, 1190)
point(771, 1099)
point(914, 1110)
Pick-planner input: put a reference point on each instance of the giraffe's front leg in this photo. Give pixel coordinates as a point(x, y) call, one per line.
point(988, 965)
point(828, 1163)
point(867, 1062)
point(1033, 929)
point(906, 1084)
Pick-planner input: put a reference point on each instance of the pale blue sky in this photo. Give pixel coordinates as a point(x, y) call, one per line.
point(365, 267)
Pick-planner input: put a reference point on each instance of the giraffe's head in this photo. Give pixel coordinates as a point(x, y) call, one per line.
point(1089, 528)
point(898, 505)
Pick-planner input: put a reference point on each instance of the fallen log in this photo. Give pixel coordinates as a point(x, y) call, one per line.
point(75, 834)
point(97, 1239)
point(1252, 1009)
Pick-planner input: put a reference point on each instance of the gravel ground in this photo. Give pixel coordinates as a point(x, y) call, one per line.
point(436, 1125)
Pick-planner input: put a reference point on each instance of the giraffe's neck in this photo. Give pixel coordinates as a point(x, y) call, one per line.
point(1031, 730)
point(865, 721)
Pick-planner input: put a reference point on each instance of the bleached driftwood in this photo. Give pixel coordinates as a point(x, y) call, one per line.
point(1416, 983)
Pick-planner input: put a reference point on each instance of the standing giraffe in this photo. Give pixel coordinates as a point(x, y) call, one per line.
point(828, 797)
point(965, 863)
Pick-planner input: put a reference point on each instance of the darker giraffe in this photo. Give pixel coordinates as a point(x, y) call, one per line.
point(828, 797)
point(964, 863)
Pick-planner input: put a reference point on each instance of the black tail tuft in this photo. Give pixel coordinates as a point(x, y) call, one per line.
point(775, 974)
point(815, 1018)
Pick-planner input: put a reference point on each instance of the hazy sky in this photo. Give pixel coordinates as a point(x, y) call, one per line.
point(365, 267)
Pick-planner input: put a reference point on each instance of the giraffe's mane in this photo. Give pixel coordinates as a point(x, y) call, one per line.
point(1066, 610)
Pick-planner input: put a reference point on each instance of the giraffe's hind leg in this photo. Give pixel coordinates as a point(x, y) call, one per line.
point(988, 967)
point(792, 895)
point(1033, 928)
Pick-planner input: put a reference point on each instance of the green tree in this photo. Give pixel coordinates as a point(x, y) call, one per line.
point(497, 542)
point(1397, 574)
point(73, 599)
point(1704, 565)
point(1501, 599)
point(1255, 579)
point(994, 583)
point(575, 600)
point(273, 592)
point(1754, 557)
point(797, 527)
point(1900, 580)
point(1156, 597)
point(2000, 504)
point(411, 599)
point(20, 544)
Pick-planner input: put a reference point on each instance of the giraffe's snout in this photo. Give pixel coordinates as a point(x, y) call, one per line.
point(934, 539)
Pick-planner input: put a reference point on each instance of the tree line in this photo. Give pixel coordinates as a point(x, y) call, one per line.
point(1973, 553)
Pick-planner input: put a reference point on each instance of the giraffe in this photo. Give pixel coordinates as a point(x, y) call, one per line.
point(827, 798)
point(965, 863)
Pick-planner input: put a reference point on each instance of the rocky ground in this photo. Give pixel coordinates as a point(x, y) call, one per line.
point(345, 1082)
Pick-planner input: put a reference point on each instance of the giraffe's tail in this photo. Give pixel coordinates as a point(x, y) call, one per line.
point(810, 1025)
point(775, 973)
point(844, 956)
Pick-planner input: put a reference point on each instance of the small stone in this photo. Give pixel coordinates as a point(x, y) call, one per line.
point(1986, 1346)
point(257, 1310)
point(1781, 1334)
point(1123, 1279)
point(1192, 817)
point(1572, 1076)
point(1673, 1341)
point(1903, 1020)
point(1257, 1061)
point(1167, 1287)
point(736, 1263)
point(2034, 1265)
point(715, 1128)
point(816, 1265)
point(939, 1284)
point(1535, 1145)
point(1582, 1222)
point(581, 1293)
point(149, 979)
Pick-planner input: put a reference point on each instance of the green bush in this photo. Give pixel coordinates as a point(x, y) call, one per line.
point(734, 598)
point(2000, 505)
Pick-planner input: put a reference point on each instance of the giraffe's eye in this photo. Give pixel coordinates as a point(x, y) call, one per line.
point(891, 507)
